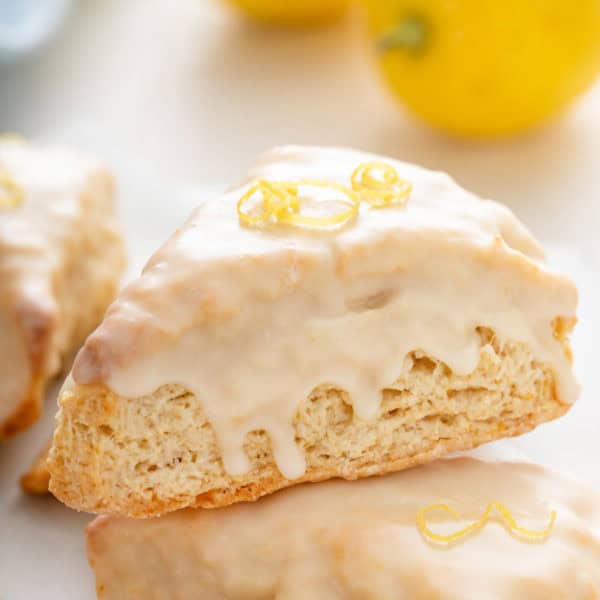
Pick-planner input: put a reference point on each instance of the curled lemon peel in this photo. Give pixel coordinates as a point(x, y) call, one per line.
point(12, 194)
point(389, 189)
point(513, 526)
point(377, 183)
point(281, 203)
point(507, 517)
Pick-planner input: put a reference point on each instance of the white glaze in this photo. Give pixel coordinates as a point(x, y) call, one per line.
point(252, 320)
point(358, 540)
point(68, 200)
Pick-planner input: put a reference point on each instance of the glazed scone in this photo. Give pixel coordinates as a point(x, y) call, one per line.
point(249, 358)
point(360, 541)
point(61, 257)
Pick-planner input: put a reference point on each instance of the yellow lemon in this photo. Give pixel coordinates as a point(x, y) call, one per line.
point(294, 13)
point(484, 68)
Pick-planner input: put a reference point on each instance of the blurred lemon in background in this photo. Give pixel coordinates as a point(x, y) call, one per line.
point(294, 13)
point(484, 68)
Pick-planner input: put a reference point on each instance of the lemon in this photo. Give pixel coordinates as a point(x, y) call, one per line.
point(485, 68)
point(293, 13)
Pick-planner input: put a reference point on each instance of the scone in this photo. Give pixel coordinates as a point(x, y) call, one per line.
point(365, 541)
point(61, 257)
point(337, 314)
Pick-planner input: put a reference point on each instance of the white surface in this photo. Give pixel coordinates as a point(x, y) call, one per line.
point(184, 92)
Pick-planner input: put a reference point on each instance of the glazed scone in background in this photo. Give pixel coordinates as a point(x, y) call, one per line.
point(244, 360)
point(359, 541)
point(61, 258)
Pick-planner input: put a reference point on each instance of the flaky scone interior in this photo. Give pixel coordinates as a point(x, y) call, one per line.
point(338, 314)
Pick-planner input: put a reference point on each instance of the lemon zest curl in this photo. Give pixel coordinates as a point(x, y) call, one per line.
point(12, 194)
point(389, 189)
point(530, 535)
point(280, 202)
point(377, 183)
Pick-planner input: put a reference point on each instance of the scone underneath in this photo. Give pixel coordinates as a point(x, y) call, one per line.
point(143, 457)
point(359, 541)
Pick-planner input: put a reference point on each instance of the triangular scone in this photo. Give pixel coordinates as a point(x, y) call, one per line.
point(252, 356)
point(364, 539)
point(61, 258)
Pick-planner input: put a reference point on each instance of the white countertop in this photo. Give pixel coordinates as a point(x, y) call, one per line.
point(180, 93)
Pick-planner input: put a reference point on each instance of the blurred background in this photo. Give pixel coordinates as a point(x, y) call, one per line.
point(192, 90)
point(179, 96)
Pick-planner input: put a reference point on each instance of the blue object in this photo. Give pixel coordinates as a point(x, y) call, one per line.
point(26, 25)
